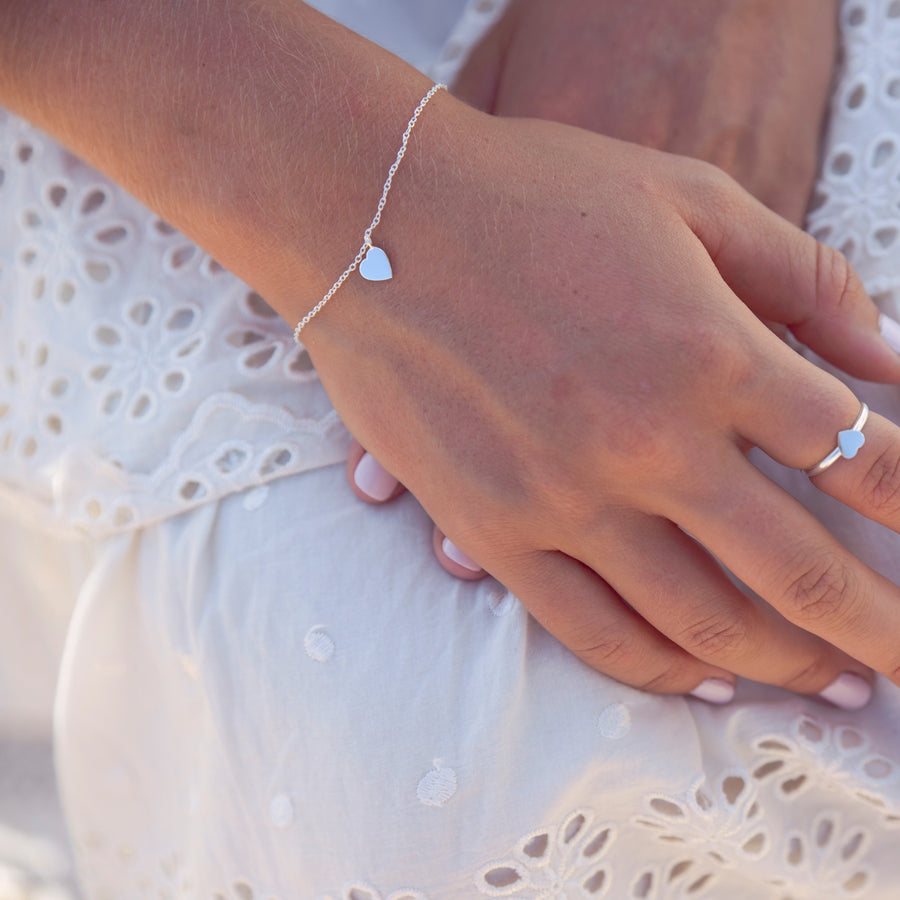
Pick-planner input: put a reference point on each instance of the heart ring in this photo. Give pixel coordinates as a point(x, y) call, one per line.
point(848, 443)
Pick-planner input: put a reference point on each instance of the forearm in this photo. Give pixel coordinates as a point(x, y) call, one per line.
point(740, 83)
point(263, 131)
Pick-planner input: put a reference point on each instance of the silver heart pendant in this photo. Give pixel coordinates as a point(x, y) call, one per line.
point(849, 442)
point(375, 265)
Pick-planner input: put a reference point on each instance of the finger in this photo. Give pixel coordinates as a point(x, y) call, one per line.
point(803, 428)
point(368, 478)
point(591, 619)
point(785, 275)
point(869, 482)
point(453, 559)
point(683, 592)
point(784, 554)
point(791, 409)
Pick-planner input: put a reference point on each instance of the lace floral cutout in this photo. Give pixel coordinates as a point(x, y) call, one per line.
point(829, 758)
point(262, 341)
point(143, 358)
point(826, 860)
point(178, 256)
point(724, 824)
point(67, 239)
point(856, 206)
point(682, 879)
point(28, 379)
point(562, 863)
point(20, 146)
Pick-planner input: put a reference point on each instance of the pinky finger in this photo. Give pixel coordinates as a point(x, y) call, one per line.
point(580, 609)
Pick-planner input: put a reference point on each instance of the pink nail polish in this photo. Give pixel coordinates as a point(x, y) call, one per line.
point(890, 331)
point(714, 690)
point(848, 691)
point(451, 551)
point(373, 480)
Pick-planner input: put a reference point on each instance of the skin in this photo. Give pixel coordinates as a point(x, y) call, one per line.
point(742, 84)
point(569, 363)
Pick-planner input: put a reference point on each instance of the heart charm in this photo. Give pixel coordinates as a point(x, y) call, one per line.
point(375, 265)
point(849, 442)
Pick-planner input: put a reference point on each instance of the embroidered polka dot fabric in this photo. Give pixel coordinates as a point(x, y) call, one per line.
point(270, 690)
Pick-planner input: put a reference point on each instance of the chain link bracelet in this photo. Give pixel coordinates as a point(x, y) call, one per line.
point(372, 261)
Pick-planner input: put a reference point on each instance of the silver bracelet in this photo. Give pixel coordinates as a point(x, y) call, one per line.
point(372, 261)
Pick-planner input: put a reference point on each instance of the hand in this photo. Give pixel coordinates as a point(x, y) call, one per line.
point(569, 394)
point(569, 361)
point(743, 84)
point(740, 84)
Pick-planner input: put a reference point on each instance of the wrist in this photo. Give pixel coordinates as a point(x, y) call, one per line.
point(263, 133)
point(437, 193)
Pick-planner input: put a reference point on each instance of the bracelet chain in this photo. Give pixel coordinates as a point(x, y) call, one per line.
point(367, 236)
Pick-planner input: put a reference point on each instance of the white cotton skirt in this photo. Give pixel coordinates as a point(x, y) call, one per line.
point(271, 690)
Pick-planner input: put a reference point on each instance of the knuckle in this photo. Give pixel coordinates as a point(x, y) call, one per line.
point(609, 652)
point(643, 444)
point(717, 636)
point(715, 189)
point(823, 590)
point(711, 176)
point(881, 484)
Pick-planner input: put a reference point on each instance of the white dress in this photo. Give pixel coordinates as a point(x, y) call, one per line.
point(270, 690)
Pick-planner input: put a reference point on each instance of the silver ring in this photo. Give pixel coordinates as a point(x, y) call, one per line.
point(848, 443)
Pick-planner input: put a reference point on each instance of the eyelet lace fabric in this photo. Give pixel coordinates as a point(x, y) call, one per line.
point(129, 355)
point(856, 205)
point(128, 351)
point(269, 690)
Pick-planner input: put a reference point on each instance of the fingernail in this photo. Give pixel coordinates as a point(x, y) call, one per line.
point(848, 691)
point(714, 690)
point(451, 551)
point(890, 331)
point(372, 479)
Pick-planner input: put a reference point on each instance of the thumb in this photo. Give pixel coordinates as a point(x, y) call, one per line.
point(786, 276)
